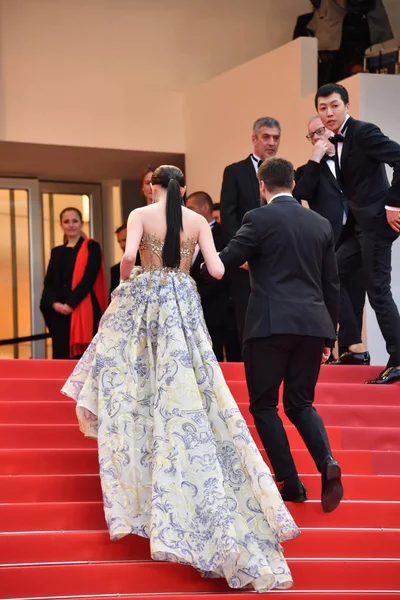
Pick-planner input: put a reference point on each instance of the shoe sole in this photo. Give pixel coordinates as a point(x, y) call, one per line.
point(334, 489)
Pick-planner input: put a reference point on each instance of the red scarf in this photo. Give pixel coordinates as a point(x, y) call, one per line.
point(81, 329)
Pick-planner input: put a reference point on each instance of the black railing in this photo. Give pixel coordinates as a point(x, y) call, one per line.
point(27, 338)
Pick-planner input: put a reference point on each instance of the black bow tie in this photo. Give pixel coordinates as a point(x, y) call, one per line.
point(327, 157)
point(335, 139)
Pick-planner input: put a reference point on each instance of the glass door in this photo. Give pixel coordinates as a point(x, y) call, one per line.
point(29, 225)
point(21, 268)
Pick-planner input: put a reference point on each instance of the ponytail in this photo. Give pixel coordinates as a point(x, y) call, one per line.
point(171, 254)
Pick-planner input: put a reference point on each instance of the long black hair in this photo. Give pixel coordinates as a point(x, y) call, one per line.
point(172, 179)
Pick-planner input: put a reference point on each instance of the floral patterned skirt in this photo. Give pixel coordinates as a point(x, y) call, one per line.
point(177, 462)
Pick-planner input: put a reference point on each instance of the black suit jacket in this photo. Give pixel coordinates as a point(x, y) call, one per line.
point(316, 183)
point(363, 178)
point(293, 271)
point(114, 271)
point(214, 293)
point(240, 193)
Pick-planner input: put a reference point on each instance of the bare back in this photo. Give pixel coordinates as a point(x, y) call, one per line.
point(147, 228)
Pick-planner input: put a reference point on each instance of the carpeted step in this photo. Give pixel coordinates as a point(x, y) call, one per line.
point(90, 515)
point(48, 390)
point(290, 595)
point(78, 546)
point(63, 412)
point(46, 369)
point(145, 577)
point(84, 460)
point(332, 393)
point(328, 374)
point(86, 488)
point(38, 435)
point(37, 368)
point(345, 415)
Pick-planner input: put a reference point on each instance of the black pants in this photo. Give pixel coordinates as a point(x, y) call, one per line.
point(240, 291)
point(373, 252)
point(296, 361)
point(224, 338)
point(353, 284)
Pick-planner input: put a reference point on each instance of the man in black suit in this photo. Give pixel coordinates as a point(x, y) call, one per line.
point(362, 151)
point(215, 294)
point(290, 324)
point(240, 193)
point(316, 182)
point(121, 234)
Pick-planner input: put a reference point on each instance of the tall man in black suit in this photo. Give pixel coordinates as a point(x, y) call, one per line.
point(290, 324)
point(215, 294)
point(316, 182)
point(240, 193)
point(374, 216)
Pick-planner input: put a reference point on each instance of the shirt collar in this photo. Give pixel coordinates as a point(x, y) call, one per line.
point(280, 194)
point(343, 125)
point(211, 223)
point(256, 159)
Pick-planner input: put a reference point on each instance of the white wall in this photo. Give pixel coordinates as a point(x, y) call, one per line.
point(111, 73)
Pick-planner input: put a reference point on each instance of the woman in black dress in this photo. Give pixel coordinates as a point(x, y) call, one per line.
point(74, 295)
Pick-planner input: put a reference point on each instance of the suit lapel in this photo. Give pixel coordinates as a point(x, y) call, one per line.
point(330, 176)
point(252, 177)
point(346, 146)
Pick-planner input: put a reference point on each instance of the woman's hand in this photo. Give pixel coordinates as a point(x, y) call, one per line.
point(63, 309)
point(58, 307)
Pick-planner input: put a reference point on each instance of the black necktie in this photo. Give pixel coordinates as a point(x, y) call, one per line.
point(260, 162)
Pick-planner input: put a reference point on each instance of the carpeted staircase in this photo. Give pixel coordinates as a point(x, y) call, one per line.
point(53, 541)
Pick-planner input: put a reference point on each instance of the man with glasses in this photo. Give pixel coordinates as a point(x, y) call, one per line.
point(316, 182)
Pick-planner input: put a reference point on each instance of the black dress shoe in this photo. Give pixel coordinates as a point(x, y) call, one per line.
point(293, 492)
point(331, 360)
point(390, 375)
point(332, 488)
point(353, 358)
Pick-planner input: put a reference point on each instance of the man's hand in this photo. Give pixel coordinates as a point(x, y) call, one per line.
point(326, 352)
point(245, 266)
point(320, 148)
point(393, 218)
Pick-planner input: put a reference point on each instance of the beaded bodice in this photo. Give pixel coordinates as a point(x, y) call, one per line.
point(151, 248)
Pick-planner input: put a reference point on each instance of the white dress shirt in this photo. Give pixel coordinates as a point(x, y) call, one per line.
point(255, 160)
point(280, 194)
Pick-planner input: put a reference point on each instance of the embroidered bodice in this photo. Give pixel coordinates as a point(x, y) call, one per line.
point(151, 248)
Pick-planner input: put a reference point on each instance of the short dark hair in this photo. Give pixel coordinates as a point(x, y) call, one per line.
point(120, 228)
point(265, 122)
point(203, 198)
point(331, 88)
point(216, 206)
point(276, 173)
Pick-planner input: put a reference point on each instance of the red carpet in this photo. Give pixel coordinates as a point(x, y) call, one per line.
point(53, 541)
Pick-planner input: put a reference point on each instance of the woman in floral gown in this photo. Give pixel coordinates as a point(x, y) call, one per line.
point(177, 462)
